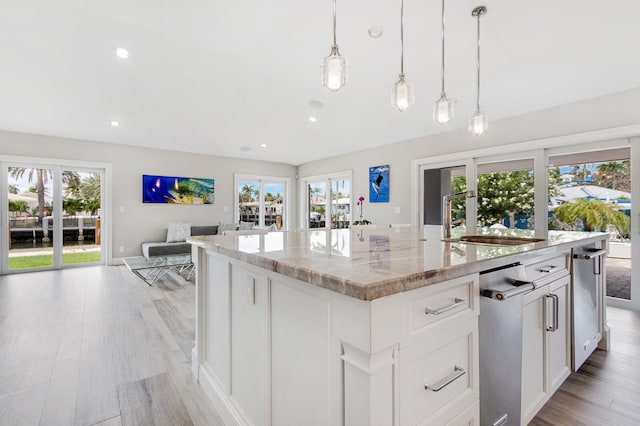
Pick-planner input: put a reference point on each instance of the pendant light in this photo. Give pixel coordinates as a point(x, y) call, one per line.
point(402, 93)
point(479, 122)
point(443, 110)
point(335, 66)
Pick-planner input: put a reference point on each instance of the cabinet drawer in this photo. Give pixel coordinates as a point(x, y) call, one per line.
point(449, 300)
point(469, 417)
point(551, 266)
point(439, 375)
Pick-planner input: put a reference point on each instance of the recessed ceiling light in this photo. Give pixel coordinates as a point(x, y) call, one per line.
point(313, 118)
point(375, 31)
point(316, 104)
point(245, 148)
point(122, 53)
point(114, 123)
point(264, 145)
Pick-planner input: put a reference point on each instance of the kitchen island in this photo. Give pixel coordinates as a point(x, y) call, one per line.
point(352, 327)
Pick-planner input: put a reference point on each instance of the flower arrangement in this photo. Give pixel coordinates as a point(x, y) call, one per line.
point(361, 221)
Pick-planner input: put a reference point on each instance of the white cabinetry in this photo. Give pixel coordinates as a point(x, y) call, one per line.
point(273, 350)
point(439, 355)
point(546, 346)
point(249, 344)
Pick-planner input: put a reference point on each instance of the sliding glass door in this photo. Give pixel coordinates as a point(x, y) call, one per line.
point(81, 222)
point(592, 191)
point(32, 231)
point(52, 216)
point(506, 193)
point(328, 201)
point(262, 202)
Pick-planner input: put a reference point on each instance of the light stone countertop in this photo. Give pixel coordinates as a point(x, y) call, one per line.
point(377, 263)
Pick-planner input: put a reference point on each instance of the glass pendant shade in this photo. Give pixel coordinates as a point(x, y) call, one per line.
point(478, 123)
point(402, 95)
point(443, 110)
point(335, 70)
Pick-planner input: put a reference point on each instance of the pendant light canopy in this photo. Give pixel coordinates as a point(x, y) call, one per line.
point(443, 110)
point(335, 66)
point(479, 122)
point(402, 93)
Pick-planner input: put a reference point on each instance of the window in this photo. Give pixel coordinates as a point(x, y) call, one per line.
point(591, 191)
point(506, 194)
point(53, 216)
point(328, 201)
point(262, 201)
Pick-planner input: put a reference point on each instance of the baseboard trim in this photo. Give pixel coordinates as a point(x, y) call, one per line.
point(221, 402)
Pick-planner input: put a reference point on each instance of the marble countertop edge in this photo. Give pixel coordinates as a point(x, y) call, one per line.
point(372, 284)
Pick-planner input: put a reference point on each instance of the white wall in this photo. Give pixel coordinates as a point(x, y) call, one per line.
point(147, 222)
point(611, 111)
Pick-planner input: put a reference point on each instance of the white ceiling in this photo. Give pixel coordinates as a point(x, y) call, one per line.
point(212, 76)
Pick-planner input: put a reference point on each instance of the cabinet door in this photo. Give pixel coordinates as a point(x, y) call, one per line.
point(534, 354)
point(559, 339)
point(249, 345)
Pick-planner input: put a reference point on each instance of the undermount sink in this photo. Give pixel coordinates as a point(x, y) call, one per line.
point(498, 240)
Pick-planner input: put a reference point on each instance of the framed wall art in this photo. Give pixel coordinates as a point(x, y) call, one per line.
point(177, 190)
point(379, 184)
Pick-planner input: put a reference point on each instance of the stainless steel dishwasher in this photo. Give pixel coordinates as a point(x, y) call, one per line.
point(588, 272)
point(500, 345)
point(501, 338)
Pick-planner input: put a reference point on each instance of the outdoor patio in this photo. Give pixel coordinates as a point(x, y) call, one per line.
point(619, 278)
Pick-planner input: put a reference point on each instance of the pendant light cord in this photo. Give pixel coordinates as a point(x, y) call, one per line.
point(402, 38)
point(478, 66)
point(442, 47)
point(334, 23)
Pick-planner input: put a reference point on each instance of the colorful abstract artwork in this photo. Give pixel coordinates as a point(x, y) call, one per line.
point(177, 190)
point(379, 184)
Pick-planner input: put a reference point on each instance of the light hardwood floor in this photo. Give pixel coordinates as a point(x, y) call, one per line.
point(606, 389)
point(97, 346)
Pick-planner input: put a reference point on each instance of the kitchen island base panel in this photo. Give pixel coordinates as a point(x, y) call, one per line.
point(277, 346)
point(274, 350)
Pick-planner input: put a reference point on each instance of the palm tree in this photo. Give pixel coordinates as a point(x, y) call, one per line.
point(90, 186)
point(614, 175)
point(595, 215)
point(13, 189)
point(246, 193)
point(73, 185)
point(41, 176)
point(577, 169)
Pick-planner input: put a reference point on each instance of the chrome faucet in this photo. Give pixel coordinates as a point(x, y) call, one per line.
point(446, 209)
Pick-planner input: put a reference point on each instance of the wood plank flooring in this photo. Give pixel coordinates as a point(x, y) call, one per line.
point(97, 346)
point(606, 390)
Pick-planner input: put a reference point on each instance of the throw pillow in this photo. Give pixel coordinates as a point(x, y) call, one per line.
point(178, 232)
point(226, 227)
point(245, 226)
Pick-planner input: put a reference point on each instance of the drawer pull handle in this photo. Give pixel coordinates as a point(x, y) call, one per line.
point(548, 269)
point(456, 302)
point(438, 386)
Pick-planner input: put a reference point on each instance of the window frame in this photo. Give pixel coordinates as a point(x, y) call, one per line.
point(262, 180)
point(327, 178)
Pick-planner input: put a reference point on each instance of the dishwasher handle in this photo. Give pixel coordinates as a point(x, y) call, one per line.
point(501, 295)
point(590, 255)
